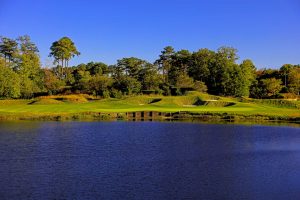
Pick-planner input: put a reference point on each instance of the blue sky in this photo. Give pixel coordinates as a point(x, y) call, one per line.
point(265, 31)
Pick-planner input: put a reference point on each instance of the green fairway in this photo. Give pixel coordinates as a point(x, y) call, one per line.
point(194, 102)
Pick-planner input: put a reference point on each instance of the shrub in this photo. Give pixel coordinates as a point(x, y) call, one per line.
point(116, 93)
point(200, 86)
point(106, 94)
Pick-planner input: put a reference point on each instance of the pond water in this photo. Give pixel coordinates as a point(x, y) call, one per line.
point(148, 160)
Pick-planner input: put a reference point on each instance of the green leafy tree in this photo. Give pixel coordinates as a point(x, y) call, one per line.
point(272, 86)
point(294, 80)
point(257, 90)
point(179, 65)
point(100, 85)
point(268, 73)
point(52, 83)
point(184, 81)
point(8, 48)
point(63, 50)
point(27, 46)
point(164, 62)
point(228, 53)
point(9, 82)
point(97, 68)
point(200, 86)
point(284, 70)
point(29, 68)
point(82, 79)
point(181, 59)
point(128, 85)
point(69, 76)
point(127, 73)
point(131, 66)
point(200, 64)
point(221, 72)
point(150, 78)
point(234, 83)
point(245, 76)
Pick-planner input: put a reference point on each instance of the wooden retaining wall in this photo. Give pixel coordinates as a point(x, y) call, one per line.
point(145, 115)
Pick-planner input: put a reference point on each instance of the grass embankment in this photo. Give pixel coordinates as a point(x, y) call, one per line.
point(194, 104)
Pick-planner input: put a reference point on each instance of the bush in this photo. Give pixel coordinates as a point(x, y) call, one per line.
point(116, 93)
point(289, 96)
point(200, 86)
point(178, 92)
point(106, 94)
point(166, 90)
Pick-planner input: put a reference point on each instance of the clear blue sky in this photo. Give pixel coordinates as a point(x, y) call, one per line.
point(266, 31)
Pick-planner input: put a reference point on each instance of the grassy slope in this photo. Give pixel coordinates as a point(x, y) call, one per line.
point(208, 104)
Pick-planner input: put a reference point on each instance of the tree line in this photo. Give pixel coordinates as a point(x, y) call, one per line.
point(173, 73)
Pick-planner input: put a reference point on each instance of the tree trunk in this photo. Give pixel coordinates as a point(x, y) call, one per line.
point(285, 80)
point(62, 68)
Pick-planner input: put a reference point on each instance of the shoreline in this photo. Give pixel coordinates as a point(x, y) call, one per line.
point(148, 116)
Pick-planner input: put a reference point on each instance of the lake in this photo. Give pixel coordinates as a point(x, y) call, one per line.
point(148, 160)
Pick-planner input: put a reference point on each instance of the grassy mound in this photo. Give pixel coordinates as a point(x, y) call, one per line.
point(178, 101)
point(188, 100)
point(203, 96)
point(44, 101)
point(218, 103)
point(142, 100)
point(278, 103)
point(66, 98)
point(7, 102)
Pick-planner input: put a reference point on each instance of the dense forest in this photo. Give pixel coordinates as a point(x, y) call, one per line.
point(173, 73)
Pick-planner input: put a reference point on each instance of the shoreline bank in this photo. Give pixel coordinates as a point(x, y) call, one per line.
point(147, 116)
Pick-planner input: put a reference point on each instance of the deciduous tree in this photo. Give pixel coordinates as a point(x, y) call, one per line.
point(294, 80)
point(272, 86)
point(9, 82)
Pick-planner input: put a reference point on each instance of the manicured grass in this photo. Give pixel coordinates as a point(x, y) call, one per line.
point(194, 102)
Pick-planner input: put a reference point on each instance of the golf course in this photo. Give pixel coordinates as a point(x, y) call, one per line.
point(72, 107)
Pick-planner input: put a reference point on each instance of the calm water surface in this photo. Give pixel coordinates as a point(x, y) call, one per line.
point(148, 160)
